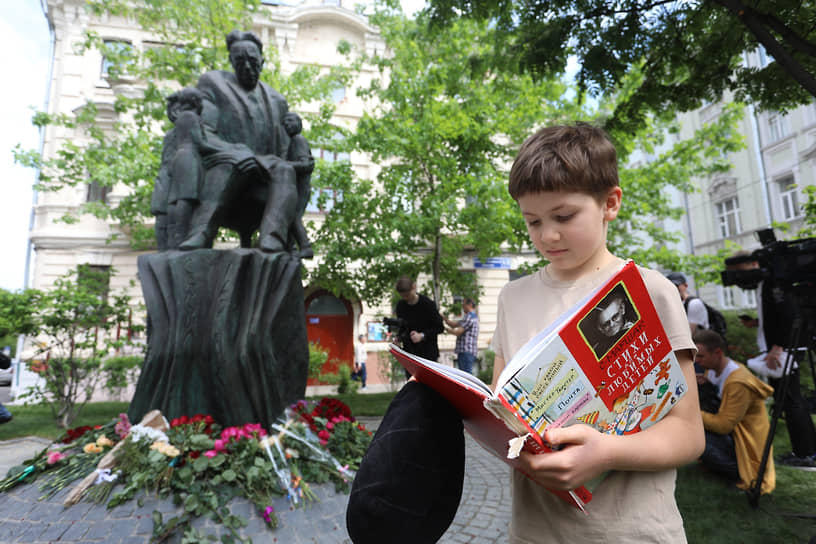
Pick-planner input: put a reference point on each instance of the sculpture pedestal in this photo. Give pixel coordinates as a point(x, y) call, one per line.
point(226, 335)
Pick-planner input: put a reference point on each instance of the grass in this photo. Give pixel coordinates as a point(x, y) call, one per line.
point(36, 420)
point(712, 513)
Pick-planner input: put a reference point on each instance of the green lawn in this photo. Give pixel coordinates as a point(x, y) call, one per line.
point(712, 513)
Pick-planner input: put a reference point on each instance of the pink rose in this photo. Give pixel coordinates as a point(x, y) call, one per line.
point(220, 444)
point(209, 454)
point(55, 456)
point(330, 425)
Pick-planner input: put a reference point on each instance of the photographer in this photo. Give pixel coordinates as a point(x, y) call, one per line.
point(421, 318)
point(774, 326)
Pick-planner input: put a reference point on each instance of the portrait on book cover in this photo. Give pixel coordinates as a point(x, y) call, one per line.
point(609, 320)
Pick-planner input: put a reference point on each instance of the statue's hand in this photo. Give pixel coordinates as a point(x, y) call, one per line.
point(248, 164)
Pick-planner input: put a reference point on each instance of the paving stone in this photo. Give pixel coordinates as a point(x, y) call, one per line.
point(481, 519)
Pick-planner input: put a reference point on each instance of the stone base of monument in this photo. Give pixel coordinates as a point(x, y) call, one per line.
point(226, 335)
point(25, 519)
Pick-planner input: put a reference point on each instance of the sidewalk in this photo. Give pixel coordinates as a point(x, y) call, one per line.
point(482, 518)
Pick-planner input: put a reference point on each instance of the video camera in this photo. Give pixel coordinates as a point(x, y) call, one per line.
point(788, 265)
point(398, 327)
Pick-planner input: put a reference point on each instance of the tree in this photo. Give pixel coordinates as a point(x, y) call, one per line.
point(445, 128)
point(189, 40)
point(442, 127)
point(17, 315)
point(687, 51)
point(76, 324)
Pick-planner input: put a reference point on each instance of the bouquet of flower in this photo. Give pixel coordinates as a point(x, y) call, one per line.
point(203, 466)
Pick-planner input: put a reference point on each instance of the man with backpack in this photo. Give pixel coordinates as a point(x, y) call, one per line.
point(700, 315)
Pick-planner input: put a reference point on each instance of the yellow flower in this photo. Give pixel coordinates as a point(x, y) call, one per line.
point(91, 448)
point(104, 441)
point(166, 449)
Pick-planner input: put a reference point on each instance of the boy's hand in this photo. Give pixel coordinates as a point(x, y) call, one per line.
point(580, 458)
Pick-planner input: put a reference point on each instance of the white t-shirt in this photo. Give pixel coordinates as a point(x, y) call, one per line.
point(627, 506)
point(697, 313)
point(360, 354)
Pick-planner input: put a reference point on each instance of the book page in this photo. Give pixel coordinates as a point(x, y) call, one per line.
point(453, 373)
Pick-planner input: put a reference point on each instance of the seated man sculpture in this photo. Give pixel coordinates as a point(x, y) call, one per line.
point(248, 183)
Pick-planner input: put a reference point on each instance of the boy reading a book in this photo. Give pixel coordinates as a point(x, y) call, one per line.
point(566, 184)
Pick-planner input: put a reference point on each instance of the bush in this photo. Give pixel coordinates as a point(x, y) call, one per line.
point(120, 372)
point(390, 369)
point(486, 366)
point(317, 358)
point(741, 340)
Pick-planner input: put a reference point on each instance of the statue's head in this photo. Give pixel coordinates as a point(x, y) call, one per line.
point(246, 57)
point(172, 106)
point(190, 99)
point(292, 123)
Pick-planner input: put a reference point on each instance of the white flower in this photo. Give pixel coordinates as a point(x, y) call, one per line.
point(140, 432)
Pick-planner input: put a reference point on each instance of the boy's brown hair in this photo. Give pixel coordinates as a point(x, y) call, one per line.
point(575, 158)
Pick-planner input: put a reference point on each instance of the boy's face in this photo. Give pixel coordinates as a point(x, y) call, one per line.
point(569, 229)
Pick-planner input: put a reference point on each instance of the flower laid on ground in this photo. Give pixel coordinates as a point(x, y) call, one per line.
point(55, 457)
point(122, 427)
point(203, 466)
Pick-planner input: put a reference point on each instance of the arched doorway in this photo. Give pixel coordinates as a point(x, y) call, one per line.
point(330, 324)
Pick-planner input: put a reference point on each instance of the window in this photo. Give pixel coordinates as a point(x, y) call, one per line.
point(323, 200)
point(788, 199)
point(729, 298)
point(762, 57)
point(777, 127)
point(327, 305)
point(95, 280)
point(117, 59)
point(97, 192)
point(728, 217)
point(338, 95)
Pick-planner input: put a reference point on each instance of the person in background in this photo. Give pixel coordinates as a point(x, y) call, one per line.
point(774, 324)
point(735, 434)
point(695, 309)
point(5, 415)
point(360, 356)
point(422, 320)
point(698, 320)
point(466, 331)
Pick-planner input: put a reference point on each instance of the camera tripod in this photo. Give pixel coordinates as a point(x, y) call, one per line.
point(802, 334)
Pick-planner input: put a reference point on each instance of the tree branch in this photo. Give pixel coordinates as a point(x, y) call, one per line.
point(752, 21)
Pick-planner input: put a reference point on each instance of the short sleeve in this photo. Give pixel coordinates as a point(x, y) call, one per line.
point(697, 313)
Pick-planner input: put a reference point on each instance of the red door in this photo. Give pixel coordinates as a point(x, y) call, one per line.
point(329, 323)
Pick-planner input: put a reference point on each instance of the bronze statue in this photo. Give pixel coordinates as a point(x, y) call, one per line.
point(248, 183)
point(227, 328)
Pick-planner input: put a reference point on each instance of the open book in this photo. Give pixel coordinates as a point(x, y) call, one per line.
point(606, 362)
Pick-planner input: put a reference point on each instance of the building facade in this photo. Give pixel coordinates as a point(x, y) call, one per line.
point(764, 187)
point(307, 33)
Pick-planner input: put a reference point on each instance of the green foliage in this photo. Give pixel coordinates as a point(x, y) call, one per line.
point(76, 323)
point(341, 378)
point(189, 40)
point(741, 339)
point(440, 125)
point(486, 366)
point(317, 358)
point(809, 209)
point(390, 369)
point(120, 372)
point(686, 51)
point(18, 311)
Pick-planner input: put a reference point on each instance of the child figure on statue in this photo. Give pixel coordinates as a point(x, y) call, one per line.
point(186, 169)
point(300, 156)
point(565, 181)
